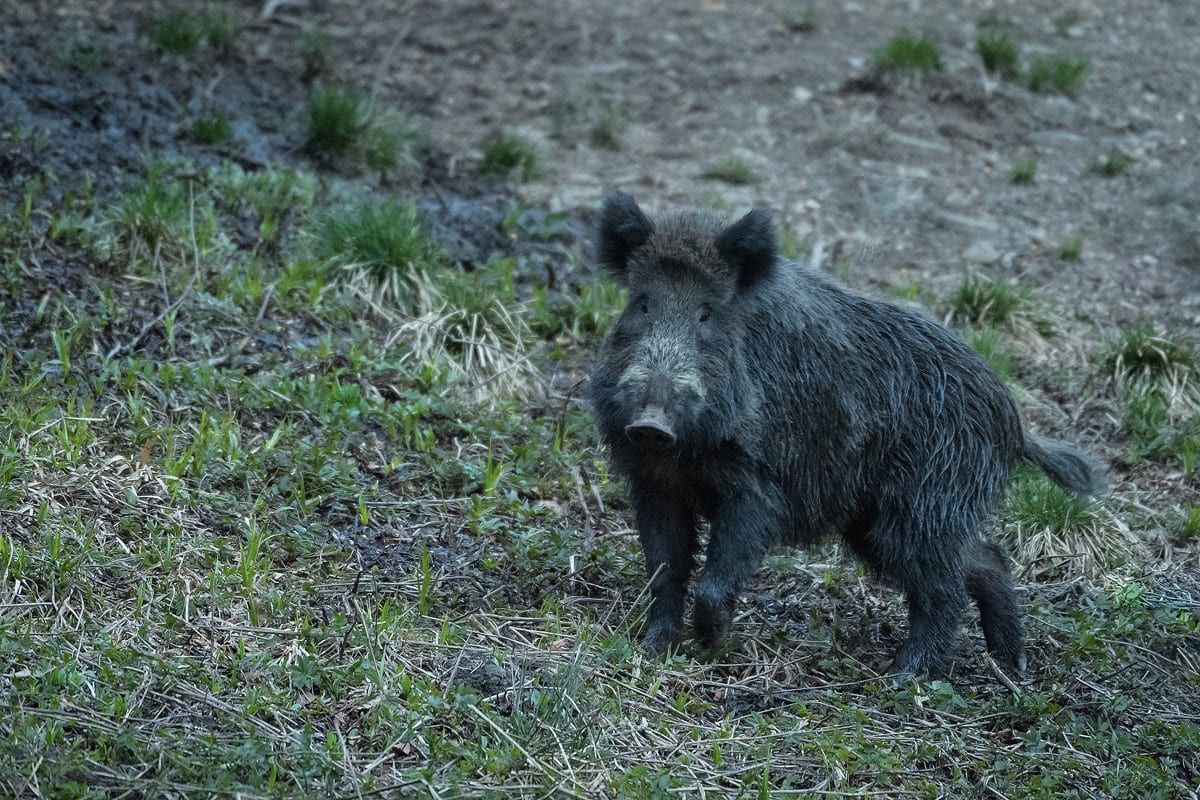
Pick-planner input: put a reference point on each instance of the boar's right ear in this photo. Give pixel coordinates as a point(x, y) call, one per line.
point(748, 246)
point(623, 228)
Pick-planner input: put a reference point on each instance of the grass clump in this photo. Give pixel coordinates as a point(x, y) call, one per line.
point(184, 32)
point(1112, 164)
point(162, 216)
point(908, 53)
point(608, 131)
point(991, 346)
point(342, 124)
point(316, 52)
point(1148, 360)
point(1062, 74)
point(211, 129)
point(178, 33)
point(999, 54)
point(1023, 171)
point(338, 117)
point(86, 57)
point(984, 303)
point(1050, 528)
point(510, 155)
point(591, 113)
point(1071, 248)
point(732, 170)
point(583, 315)
point(386, 244)
point(471, 327)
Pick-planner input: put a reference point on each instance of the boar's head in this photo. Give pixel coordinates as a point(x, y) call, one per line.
point(671, 374)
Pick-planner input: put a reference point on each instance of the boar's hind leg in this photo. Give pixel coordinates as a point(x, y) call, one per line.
point(667, 529)
point(989, 581)
point(928, 565)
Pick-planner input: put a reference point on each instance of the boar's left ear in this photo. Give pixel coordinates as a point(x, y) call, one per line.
point(748, 246)
point(624, 227)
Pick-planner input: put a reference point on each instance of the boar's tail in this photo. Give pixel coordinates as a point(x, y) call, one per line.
point(1065, 466)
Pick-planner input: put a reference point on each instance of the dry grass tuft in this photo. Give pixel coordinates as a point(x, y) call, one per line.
point(1052, 530)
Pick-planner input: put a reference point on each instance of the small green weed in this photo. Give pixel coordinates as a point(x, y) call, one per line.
point(731, 170)
point(177, 32)
point(161, 216)
point(1189, 524)
point(386, 243)
point(982, 302)
point(1064, 75)
point(211, 129)
point(316, 52)
point(1044, 523)
point(337, 118)
point(1071, 248)
point(999, 54)
point(184, 32)
point(908, 53)
point(86, 57)
point(510, 155)
point(1023, 171)
point(990, 345)
point(1148, 361)
point(1113, 164)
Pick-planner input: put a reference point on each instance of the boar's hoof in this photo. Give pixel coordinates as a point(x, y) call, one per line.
point(659, 639)
point(713, 616)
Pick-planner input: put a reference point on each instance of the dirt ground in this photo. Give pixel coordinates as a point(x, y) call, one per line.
point(897, 184)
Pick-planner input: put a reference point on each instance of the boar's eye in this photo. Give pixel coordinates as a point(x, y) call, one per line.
point(644, 307)
point(704, 314)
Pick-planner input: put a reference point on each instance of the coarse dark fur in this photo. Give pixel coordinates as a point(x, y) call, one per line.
point(762, 396)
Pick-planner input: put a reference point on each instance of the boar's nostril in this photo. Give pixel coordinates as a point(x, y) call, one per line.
point(651, 428)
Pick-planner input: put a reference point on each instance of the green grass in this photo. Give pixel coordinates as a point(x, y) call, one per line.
point(211, 129)
point(184, 32)
point(583, 315)
point(981, 302)
point(908, 53)
point(510, 155)
point(220, 27)
point(989, 343)
point(999, 54)
point(1062, 74)
point(85, 56)
point(344, 128)
point(177, 32)
point(1112, 164)
point(292, 541)
point(316, 52)
point(388, 244)
point(1023, 171)
point(1058, 530)
point(732, 170)
point(158, 217)
point(1149, 359)
point(1071, 248)
point(338, 117)
point(608, 131)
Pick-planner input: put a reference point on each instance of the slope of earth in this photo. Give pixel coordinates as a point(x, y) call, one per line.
point(297, 496)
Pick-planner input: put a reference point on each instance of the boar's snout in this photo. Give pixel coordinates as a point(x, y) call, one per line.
point(651, 429)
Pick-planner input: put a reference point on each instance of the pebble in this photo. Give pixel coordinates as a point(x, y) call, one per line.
point(981, 252)
point(801, 95)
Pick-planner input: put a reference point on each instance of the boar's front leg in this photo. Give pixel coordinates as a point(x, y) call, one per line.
point(667, 529)
point(743, 530)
